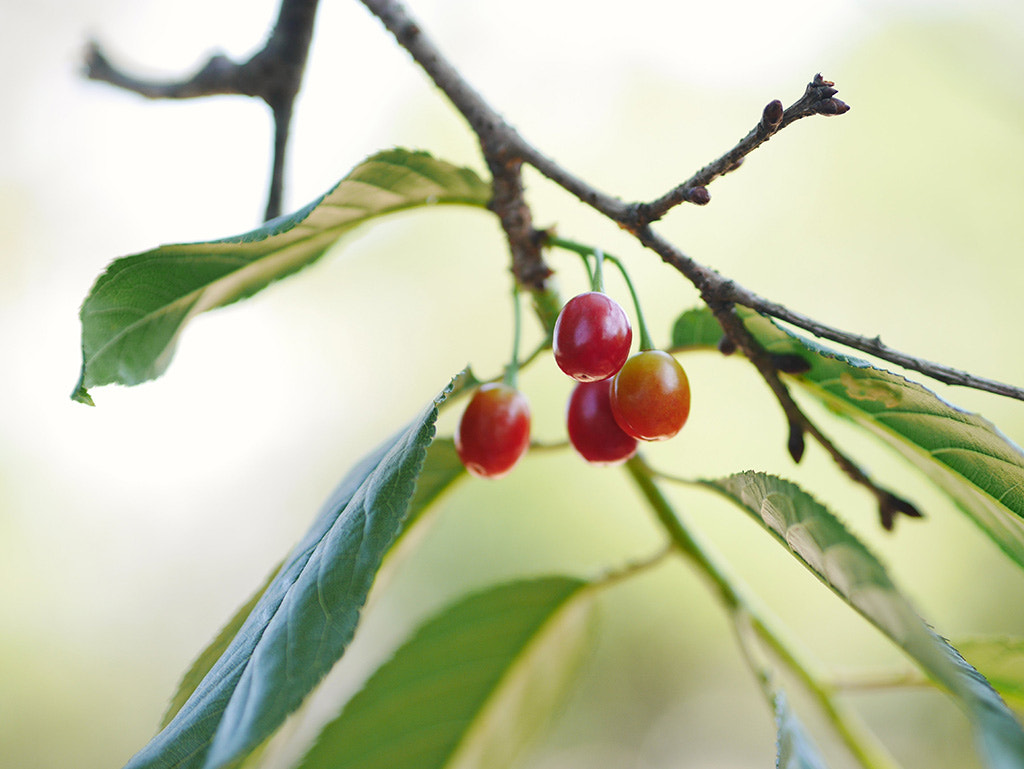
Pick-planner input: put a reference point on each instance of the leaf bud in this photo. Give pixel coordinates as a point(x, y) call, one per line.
point(698, 195)
point(772, 115)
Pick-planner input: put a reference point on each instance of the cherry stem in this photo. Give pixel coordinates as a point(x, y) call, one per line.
point(512, 370)
point(599, 255)
point(597, 284)
point(645, 336)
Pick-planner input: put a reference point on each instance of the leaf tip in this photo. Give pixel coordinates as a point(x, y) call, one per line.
point(80, 394)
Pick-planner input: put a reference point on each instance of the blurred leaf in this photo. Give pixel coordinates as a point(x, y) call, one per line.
point(842, 562)
point(696, 328)
point(1001, 661)
point(441, 469)
point(794, 748)
point(962, 453)
point(469, 687)
point(139, 306)
point(302, 623)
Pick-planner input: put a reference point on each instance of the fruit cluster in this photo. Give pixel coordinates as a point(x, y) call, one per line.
point(618, 400)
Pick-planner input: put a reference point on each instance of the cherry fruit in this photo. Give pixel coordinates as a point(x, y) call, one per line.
point(593, 431)
point(650, 396)
point(494, 431)
point(592, 337)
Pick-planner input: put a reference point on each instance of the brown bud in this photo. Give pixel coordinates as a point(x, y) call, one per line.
point(831, 107)
point(772, 114)
point(796, 441)
point(726, 345)
point(698, 196)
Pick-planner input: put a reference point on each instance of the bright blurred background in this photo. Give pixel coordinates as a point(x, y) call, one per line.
point(130, 532)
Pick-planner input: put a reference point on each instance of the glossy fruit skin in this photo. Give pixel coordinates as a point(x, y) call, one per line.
point(650, 396)
point(593, 431)
point(494, 430)
point(592, 337)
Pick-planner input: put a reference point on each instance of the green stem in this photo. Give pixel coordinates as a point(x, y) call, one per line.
point(645, 336)
point(597, 284)
point(734, 595)
point(512, 370)
point(585, 251)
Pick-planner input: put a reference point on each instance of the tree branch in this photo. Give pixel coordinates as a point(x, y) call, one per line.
point(501, 145)
point(505, 151)
point(273, 74)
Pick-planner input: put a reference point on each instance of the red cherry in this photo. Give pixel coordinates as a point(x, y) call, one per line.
point(593, 431)
point(494, 431)
point(592, 337)
point(650, 396)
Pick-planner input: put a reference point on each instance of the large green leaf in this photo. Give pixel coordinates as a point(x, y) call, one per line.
point(840, 560)
point(303, 621)
point(137, 309)
point(962, 453)
point(469, 686)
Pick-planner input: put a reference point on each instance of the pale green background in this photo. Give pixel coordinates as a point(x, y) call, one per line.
point(129, 532)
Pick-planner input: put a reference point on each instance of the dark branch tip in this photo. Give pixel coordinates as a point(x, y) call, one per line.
point(795, 444)
point(890, 505)
point(831, 107)
point(726, 345)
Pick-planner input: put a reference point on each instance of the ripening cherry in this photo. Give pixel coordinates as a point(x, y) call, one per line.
point(494, 431)
point(593, 431)
point(592, 337)
point(650, 396)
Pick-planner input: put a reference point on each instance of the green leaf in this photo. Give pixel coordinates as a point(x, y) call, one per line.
point(842, 562)
point(1001, 661)
point(137, 309)
point(696, 328)
point(304, 620)
point(469, 686)
point(794, 748)
point(962, 453)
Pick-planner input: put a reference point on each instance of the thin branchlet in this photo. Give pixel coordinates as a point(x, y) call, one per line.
point(273, 74)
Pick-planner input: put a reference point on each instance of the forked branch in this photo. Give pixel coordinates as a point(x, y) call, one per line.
point(273, 74)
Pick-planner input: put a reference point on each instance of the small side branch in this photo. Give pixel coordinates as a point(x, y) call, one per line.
point(274, 74)
point(889, 504)
point(818, 99)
